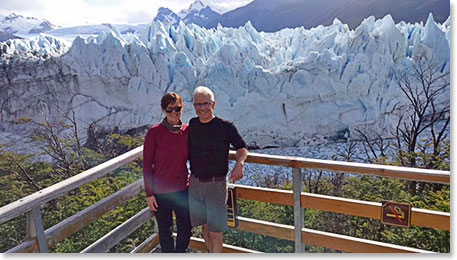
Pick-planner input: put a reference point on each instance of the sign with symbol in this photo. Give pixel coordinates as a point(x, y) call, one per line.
point(396, 213)
point(231, 208)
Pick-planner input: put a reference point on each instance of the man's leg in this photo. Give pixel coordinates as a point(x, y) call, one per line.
point(213, 240)
point(216, 242)
point(216, 195)
point(197, 207)
point(206, 237)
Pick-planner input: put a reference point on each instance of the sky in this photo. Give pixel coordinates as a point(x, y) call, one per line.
point(82, 12)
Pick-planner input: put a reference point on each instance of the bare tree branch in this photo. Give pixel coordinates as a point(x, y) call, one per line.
point(24, 173)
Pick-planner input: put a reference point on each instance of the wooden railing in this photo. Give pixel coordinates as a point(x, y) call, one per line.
point(39, 240)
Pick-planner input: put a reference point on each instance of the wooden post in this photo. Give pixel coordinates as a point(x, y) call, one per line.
point(35, 229)
point(297, 184)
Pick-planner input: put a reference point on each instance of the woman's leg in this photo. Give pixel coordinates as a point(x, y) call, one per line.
point(165, 223)
point(181, 208)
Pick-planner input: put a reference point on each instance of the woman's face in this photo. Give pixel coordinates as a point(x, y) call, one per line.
point(172, 115)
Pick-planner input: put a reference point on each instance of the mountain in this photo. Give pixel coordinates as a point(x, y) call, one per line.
point(68, 34)
point(165, 15)
point(199, 13)
point(201, 17)
point(292, 87)
point(273, 15)
point(97, 29)
point(198, 5)
point(18, 24)
point(7, 36)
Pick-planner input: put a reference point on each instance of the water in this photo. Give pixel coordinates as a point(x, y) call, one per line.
point(254, 172)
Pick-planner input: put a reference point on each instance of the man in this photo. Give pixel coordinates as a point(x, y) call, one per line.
point(209, 140)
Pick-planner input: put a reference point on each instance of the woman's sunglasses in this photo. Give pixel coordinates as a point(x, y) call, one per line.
point(170, 109)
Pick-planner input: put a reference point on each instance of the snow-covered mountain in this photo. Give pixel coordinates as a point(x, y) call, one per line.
point(199, 12)
point(274, 15)
point(18, 24)
point(68, 34)
point(6, 36)
point(196, 7)
point(201, 17)
point(97, 29)
point(292, 87)
point(165, 15)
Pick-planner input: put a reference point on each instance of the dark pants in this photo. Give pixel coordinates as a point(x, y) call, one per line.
point(179, 203)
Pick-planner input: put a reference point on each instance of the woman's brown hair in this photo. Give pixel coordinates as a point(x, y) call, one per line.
point(170, 98)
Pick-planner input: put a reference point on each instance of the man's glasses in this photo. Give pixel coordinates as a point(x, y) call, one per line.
point(205, 104)
point(170, 109)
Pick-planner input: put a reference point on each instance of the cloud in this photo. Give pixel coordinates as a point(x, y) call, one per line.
point(14, 6)
point(225, 5)
point(80, 12)
point(56, 11)
point(136, 16)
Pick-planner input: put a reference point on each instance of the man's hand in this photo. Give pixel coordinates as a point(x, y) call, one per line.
point(152, 203)
point(237, 171)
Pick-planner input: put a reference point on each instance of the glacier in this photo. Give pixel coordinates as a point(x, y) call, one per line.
point(293, 87)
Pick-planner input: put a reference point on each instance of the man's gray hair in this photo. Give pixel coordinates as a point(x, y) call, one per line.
point(204, 90)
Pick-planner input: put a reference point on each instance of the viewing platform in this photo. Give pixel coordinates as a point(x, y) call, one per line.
point(40, 240)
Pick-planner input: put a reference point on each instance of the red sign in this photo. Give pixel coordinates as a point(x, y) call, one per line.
point(396, 213)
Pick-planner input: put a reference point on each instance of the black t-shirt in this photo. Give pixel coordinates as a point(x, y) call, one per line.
point(209, 146)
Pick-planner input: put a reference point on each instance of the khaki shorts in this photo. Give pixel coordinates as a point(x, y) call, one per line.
point(208, 203)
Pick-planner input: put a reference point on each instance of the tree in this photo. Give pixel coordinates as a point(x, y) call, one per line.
point(377, 149)
point(422, 85)
point(23, 174)
point(420, 137)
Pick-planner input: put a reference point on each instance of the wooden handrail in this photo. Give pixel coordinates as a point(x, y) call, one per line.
point(116, 235)
point(147, 245)
point(83, 218)
point(199, 244)
point(366, 209)
point(323, 239)
point(37, 199)
point(195, 243)
point(25, 204)
point(398, 172)
point(419, 217)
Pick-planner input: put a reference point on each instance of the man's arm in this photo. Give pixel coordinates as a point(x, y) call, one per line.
point(237, 171)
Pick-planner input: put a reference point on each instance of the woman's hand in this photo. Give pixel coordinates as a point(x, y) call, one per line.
point(152, 203)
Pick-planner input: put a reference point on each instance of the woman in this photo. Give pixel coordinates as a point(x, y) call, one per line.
point(165, 174)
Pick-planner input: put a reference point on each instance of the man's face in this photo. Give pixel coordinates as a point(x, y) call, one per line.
point(203, 107)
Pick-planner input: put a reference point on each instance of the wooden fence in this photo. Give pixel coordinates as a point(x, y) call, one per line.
point(39, 240)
